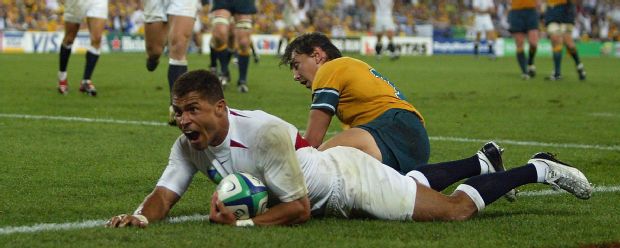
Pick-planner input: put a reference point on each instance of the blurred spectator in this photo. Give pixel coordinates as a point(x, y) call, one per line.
point(596, 19)
point(2, 17)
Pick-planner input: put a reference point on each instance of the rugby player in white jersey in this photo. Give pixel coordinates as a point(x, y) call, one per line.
point(384, 24)
point(96, 14)
point(483, 23)
point(169, 22)
point(303, 182)
point(292, 19)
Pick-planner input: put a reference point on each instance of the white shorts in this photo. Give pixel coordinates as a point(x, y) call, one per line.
point(76, 10)
point(560, 28)
point(384, 23)
point(483, 23)
point(158, 10)
point(364, 187)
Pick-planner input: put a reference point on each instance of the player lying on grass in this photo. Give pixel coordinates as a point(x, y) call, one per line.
point(303, 182)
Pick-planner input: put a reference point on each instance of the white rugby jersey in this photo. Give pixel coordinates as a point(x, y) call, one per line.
point(383, 7)
point(483, 5)
point(238, 154)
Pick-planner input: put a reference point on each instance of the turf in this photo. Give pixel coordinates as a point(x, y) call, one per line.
point(59, 171)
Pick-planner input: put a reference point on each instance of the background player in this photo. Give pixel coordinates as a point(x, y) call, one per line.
point(292, 22)
point(523, 19)
point(483, 23)
point(242, 11)
point(383, 123)
point(169, 22)
point(384, 24)
point(560, 21)
point(96, 13)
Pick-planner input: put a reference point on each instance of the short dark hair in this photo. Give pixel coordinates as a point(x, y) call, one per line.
point(203, 82)
point(305, 44)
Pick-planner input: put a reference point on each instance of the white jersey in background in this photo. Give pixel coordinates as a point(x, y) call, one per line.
point(383, 7)
point(383, 16)
point(482, 21)
point(290, 14)
point(340, 181)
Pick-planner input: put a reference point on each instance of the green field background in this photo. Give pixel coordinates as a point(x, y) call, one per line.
point(58, 171)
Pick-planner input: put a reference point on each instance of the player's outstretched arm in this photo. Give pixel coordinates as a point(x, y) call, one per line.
point(285, 213)
point(318, 123)
point(155, 207)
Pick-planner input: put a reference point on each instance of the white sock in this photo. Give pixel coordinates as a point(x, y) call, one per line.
point(541, 171)
point(484, 163)
point(94, 50)
point(62, 75)
point(419, 177)
point(172, 61)
point(473, 194)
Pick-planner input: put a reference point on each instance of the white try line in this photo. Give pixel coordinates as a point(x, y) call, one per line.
point(438, 138)
point(81, 119)
point(604, 114)
point(528, 143)
point(45, 227)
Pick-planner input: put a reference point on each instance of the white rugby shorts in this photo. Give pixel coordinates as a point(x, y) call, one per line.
point(364, 187)
point(483, 23)
point(384, 23)
point(158, 10)
point(77, 10)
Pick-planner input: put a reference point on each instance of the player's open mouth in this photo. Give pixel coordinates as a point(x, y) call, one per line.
point(191, 135)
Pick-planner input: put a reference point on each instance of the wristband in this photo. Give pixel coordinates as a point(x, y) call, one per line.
point(141, 218)
point(245, 223)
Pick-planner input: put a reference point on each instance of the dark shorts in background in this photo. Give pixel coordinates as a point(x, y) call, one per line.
point(523, 20)
point(402, 139)
point(563, 13)
point(244, 7)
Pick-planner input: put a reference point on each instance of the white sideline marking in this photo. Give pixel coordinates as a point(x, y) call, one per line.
point(82, 119)
point(43, 227)
point(604, 114)
point(529, 143)
point(439, 138)
point(197, 217)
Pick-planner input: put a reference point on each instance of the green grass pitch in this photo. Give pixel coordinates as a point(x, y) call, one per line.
point(71, 170)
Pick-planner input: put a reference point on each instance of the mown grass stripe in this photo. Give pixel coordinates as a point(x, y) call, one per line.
point(437, 138)
point(44, 227)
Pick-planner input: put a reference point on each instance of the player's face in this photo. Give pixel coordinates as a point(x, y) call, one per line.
point(304, 68)
point(201, 122)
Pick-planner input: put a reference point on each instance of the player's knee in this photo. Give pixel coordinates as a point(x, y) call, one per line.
point(68, 40)
point(178, 42)
point(96, 43)
point(154, 51)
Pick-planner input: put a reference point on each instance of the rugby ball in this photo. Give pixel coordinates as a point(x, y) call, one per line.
point(243, 194)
